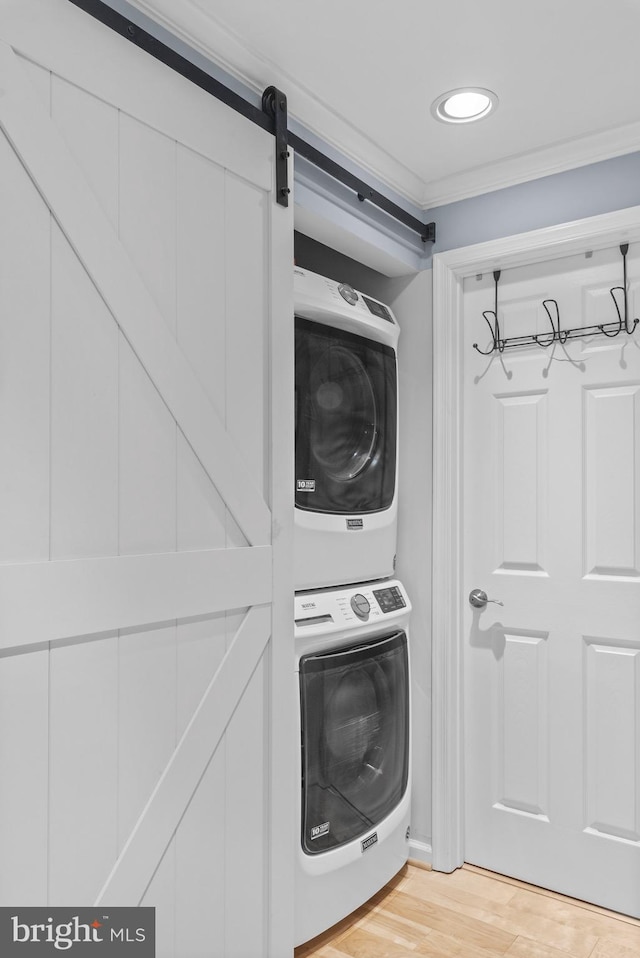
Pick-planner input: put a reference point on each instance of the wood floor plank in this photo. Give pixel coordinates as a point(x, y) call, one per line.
point(472, 913)
point(613, 949)
point(440, 945)
point(328, 951)
point(417, 939)
point(592, 923)
point(527, 948)
point(453, 923)
point(451, 895)
point(389, 926)
point(575, 941)
point(364, 943)
point(545, 892)
point(484, 886)
point(329, 937)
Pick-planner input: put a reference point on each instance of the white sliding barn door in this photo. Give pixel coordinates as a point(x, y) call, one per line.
point(552, 530)
point(145, 615)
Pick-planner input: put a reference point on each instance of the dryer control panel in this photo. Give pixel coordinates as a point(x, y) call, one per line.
point(323, 300)
point(335, 610)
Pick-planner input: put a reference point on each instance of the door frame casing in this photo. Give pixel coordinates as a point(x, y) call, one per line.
point(450, 269)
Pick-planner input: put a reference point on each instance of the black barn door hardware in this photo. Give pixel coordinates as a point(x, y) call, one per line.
point(274, 103)
point(150, 44)
point(272, 117)
point(427, 231)
point(558, 335)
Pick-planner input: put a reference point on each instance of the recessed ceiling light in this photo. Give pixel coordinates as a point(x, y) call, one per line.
point(464, 105)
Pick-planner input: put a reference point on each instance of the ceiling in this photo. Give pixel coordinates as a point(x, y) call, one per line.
point(362, 75)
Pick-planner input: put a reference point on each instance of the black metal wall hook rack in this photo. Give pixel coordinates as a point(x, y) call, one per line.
point(557, 334)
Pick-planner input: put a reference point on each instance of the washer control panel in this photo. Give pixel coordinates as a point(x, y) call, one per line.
point(360, 605)
point(390, 599)
point(348, 293)
point(335, 610)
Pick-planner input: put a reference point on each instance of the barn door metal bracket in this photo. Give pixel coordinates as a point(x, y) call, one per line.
point(274, 104)
point(429, 233)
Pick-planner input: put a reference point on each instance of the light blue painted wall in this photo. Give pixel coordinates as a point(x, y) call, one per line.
point(584, 191)
point(561, 198)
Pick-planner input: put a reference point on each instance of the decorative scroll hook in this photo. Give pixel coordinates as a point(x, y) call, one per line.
point(497, 343)
point(623, 318)
point(556, 333)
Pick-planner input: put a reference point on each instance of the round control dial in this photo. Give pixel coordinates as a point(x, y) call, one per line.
point(360, 605)
point(348, 292)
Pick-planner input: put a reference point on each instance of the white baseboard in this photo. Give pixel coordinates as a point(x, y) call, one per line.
point(420, 852)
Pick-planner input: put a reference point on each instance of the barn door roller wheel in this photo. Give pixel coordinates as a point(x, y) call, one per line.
point(274, 104)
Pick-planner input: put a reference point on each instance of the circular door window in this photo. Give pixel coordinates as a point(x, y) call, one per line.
point(343, 421)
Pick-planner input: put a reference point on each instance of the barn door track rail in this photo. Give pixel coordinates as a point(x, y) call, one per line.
point(272, 118)
point(558, 335)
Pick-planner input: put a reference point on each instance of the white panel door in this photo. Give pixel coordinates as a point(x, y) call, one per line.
point(145, 608)
point(552, 530)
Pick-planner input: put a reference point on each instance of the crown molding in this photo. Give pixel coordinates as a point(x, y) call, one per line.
point(206, 35)
point(581, 151)
point(203, 33)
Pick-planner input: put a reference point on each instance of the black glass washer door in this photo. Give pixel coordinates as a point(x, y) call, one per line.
point(355, 739)
point(345, 421)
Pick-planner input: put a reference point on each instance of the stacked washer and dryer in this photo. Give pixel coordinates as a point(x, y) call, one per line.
point(351, 614)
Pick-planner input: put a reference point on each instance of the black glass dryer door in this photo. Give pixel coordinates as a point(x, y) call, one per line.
point(355, 740)
point(345, 421)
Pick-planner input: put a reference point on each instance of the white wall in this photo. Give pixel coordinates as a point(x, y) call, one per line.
point(410, 300)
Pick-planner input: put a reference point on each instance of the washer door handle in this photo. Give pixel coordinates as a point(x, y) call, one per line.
point(478, 599)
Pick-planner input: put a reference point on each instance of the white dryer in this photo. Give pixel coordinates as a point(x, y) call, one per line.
point(353, 719)
point(346, 460)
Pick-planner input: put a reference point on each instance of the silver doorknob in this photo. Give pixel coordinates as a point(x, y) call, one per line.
point(478, 599)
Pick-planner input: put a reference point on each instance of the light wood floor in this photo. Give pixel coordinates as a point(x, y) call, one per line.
point(474, 914)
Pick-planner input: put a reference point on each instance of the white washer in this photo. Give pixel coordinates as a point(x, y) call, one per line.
point(346, 434)
point(353, 717)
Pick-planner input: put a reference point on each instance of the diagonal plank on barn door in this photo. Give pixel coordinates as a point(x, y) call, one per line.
point(143, 850)
point(85, 596)
point(61, 183)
